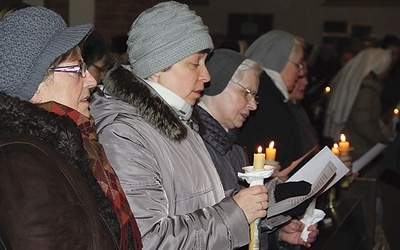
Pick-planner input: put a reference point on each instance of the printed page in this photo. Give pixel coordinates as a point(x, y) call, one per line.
point(322, 171)
point(320, 181)
point(316, 165)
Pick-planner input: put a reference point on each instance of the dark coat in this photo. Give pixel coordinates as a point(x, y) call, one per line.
point(47, 191)
point(308, 135)
point(228, 157)
point(272, 121)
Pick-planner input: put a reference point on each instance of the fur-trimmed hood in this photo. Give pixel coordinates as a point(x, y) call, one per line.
point(60, 132)
point(122, 85)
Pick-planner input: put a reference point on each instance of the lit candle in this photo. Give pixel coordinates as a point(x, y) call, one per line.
point(343, 145)
point(395, 118)
point(259, 159)
point(327, 90)
point(335, 149)
point(271, 152)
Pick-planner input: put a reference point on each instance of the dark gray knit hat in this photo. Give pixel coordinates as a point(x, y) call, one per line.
point(272, 50)
point(221, 65)
point(164, 35)
point(30, 40)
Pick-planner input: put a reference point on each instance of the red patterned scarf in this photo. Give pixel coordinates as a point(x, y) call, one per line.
point(103, 172)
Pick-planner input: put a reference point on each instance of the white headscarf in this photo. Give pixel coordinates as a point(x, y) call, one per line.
point(346, 84)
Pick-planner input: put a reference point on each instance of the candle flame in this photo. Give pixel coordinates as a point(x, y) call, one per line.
point(327, 89)
point(335, 145)
point(342, 137)
point(271, 144)
point(396, 111)
point(259, 150)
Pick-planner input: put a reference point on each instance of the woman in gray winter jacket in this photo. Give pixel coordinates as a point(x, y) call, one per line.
point(146, 126)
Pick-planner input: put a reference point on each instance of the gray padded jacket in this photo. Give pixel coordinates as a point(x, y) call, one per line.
point(164, 169)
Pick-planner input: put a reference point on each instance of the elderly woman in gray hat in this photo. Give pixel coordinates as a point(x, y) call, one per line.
point(146, 126)
point(57, 188)
point(280, 55)
point(226, 104)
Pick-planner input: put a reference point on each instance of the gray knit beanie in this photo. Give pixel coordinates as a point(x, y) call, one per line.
point(164, 35)
point(30, 40)
point(272, 50)
point(221, 65)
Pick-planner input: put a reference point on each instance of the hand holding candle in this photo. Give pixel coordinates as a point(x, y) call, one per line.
point(344, 145)
point(271, 152)
point(255, 175)
point(259, 159)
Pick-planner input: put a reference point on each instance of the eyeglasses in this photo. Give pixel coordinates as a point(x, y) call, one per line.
point(249, 95)
point(299, 66)
point(77, 69)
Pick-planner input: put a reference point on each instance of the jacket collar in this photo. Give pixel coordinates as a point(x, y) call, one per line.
point(180, 106)
point(122, 84)
point(23, 117)
point(214, 134)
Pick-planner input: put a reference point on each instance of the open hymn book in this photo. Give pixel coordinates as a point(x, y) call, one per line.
point(322, 171)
